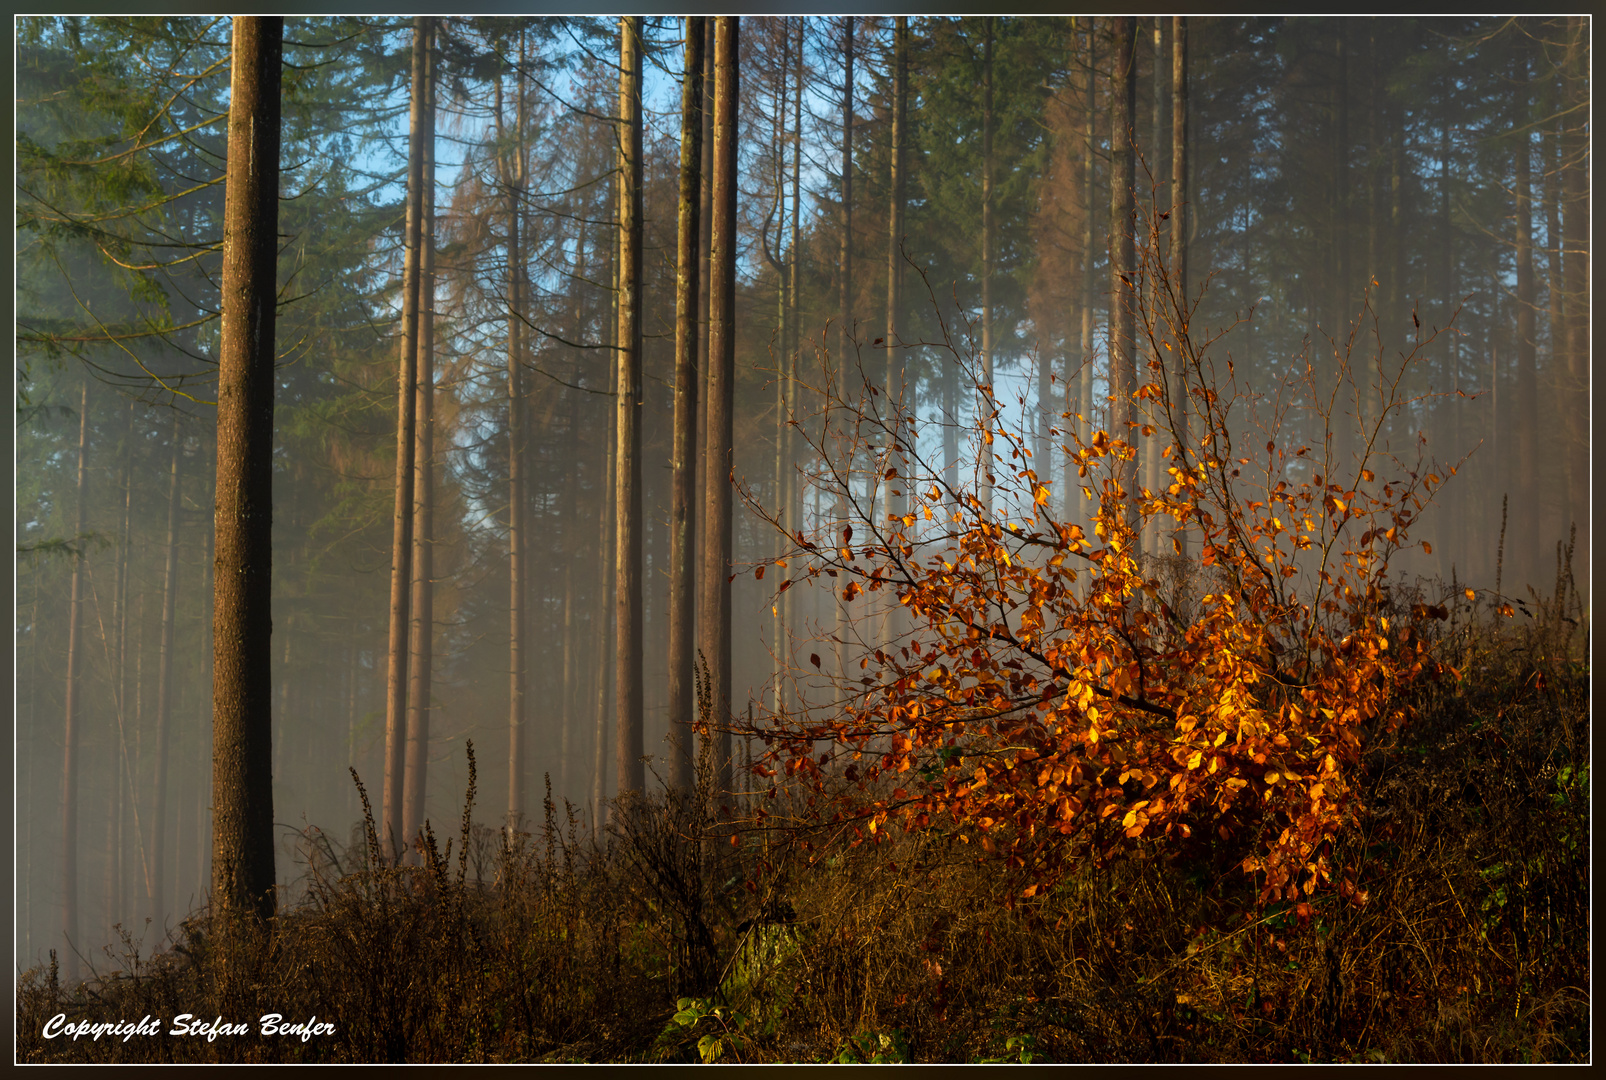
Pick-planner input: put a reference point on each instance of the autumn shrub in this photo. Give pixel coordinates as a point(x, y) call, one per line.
point(1052, 696)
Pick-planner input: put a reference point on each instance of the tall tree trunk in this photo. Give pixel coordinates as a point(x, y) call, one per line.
point(845, 240)
point(1525, 399)
point(517, 538)
point(683, 495)
point(1081, 406)
point(406, 420)
point(1345, 423)
point(716, 585)
point(421, 647)
point(898, 196)
point(1159, 143)
point(783, 456)
point(71, 734)
point(844, 334)
point(1398, 225)
point(242, 621)
point(985, 401)
point(120, 621)
point(628, 402)
point(1575, 269)
point(1453, 524)
point(1179, 228)
point(704, 246)
point(1123, 256)
point(164, 690)
point(794, 480)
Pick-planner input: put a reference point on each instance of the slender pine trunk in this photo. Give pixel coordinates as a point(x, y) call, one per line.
point(683, 495)
point(1180, 216)
point(396, 681)
point(628, 696)
point(242, 780)
point(71, 734)
point(421, 631)
point(717, 463)
point(1123, 257)
point(164, 689)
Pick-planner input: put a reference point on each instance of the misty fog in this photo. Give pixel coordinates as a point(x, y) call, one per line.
point(1358, 191)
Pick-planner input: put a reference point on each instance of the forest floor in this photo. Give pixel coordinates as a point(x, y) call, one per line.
point(1472, 859)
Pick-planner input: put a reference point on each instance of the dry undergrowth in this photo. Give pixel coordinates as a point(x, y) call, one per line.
point(1471, 944)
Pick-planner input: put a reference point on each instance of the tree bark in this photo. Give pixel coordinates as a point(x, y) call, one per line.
point(421, 652)
point(1123, 258)
point(393, 826)
point(628, 402)
point(242, 781)
point(71, 734)
point(717, 462)
point(683, 496)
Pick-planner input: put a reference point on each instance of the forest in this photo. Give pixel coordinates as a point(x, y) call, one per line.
point(854, 538)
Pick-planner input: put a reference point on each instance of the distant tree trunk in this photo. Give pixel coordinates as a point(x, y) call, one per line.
point(794, 489)
point(1179, 220)
point(1556, 307)
point(203, 819)
point(783, 453)
point(716, 586)
point(985, 402)
point(421, 648)
point(120, 621)
point(683, 496)
point(352, 668)
point(1345, 423)
point(1453, 535)
point(1524, 534)
point(845, 241)
point(1081, 406)
point(628, 402)
point(1396, 303)
point(1575, 269)
point(517, 539)
point(844, 334)
point(1123, 254)
point(242, 621)
point(898, 196)
point(393, 826)
point(71, 735)
point(704, 247)
point(602, 620)
point(1154, 445)
point(164, 690)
